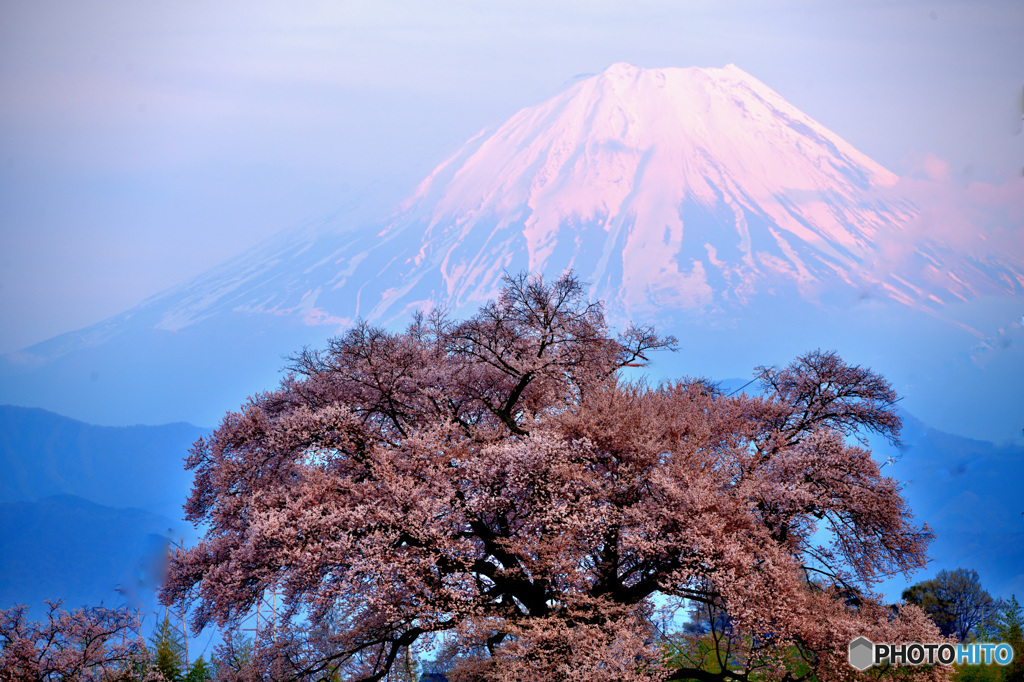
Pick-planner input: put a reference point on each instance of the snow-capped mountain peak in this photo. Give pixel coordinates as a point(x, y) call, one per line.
point(669, 190)
point(696, 196)
point(623, 174)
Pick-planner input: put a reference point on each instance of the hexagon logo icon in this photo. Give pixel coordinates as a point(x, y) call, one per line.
point(862, 653)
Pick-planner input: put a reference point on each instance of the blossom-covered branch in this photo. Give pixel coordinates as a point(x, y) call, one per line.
point(494, 486)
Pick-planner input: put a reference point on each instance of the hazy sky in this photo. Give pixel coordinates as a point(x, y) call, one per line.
point(144, 141)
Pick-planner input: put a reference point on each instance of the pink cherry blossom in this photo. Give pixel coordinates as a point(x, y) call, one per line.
point(493, 488)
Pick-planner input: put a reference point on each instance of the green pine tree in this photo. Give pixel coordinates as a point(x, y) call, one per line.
point(199, 672)
point(236, 653)
point(168, 651)
point(1011, 631)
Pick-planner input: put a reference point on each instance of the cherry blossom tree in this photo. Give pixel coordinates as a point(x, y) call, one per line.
point(86, 644)
point(496, 488)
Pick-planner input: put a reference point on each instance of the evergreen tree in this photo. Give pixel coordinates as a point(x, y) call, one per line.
point(1006, 627)
point(1011, 631)
point(235, 654)
point(977, 673)
point(199, 672)
point(168, 651)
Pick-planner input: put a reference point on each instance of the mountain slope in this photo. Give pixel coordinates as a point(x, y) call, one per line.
point(86, 511)
point(44, 454)
point(664, 188)
point(670, 187)
point(681, 195)
point(67, 548)
point(968, 492)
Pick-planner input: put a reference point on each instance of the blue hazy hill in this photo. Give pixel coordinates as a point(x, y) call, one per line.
point(44, 454)
point(86, 511)
point(969, 492)
point(67, 548)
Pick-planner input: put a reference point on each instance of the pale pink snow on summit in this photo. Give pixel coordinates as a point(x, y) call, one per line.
point(624, 150)
point(668, 190)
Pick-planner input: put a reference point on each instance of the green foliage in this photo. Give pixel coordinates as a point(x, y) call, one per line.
point(1011, 631)
point(1007, 626)
point(708, 653)
point(199, 672)
point(928, 595)
point(956, 602)
point(977, 673)
point(236, 653)
point(694, 651)
point(168, 651)
point(710, 642)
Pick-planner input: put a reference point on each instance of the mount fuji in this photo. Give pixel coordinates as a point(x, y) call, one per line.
point(697, 198)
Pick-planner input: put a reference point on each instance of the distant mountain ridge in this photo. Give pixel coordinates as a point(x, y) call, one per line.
point(44, 454)
point(86, 512)
point(90, 550)
point(67, 548)
point(968, 491)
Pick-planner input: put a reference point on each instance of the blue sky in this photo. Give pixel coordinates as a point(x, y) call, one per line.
point(143, 142)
